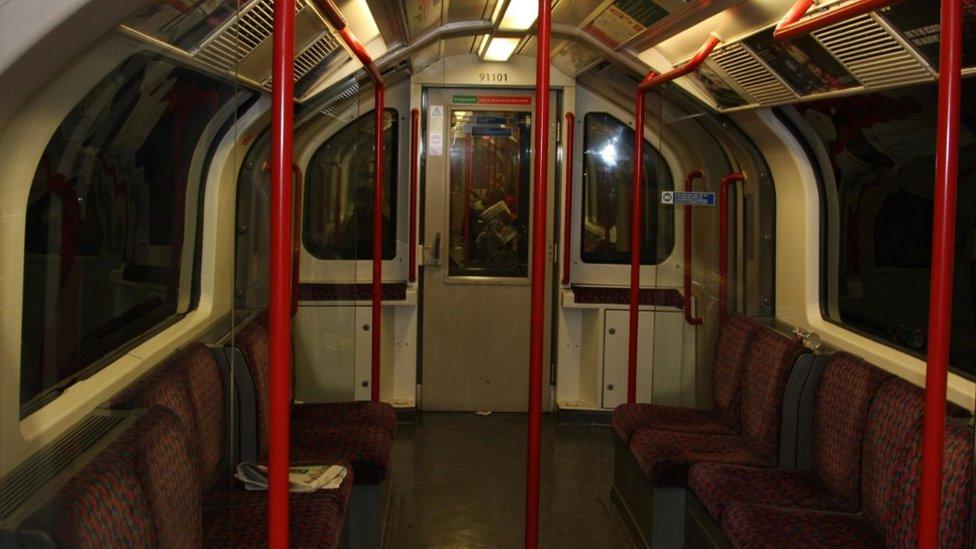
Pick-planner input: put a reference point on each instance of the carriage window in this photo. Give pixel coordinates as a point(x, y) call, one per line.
point(608, 146)
point(110, 243)
point(881, 148)
point(338, 217)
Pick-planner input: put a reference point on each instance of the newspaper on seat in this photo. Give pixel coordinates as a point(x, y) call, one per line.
point(301, 478)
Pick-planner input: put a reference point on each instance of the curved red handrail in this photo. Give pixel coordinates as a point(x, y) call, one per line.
point(940, 287)
point(414, 167)
point(689, 314)
point(568, 199)
point(793, 24)
point(338, 22)
point(652, 79)
point(723, 241)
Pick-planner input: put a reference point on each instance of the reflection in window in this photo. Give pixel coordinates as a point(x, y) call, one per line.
point(109, 242)
point(881, 148)
point(184, 24)
point(489, 204)
point(608, 166)
point(338, 219)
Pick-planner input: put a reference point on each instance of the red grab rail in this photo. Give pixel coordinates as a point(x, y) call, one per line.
point(689, 314)
point(540, 146)
point(568, 199)
point(652, 79)
point(414, 167)
point(338, 22)
point(723, 241)
point(280, 291)
point(943, 258)
point(793, 24)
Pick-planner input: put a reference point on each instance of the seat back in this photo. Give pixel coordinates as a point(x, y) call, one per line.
point(848, 386)
point(189, 384)
point(253, 341)
point(734, 340)
point(767, 368)
point(140, 491)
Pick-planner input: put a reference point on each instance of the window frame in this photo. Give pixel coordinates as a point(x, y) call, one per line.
point(581, 234)
point(392, 154)
point(188, 291)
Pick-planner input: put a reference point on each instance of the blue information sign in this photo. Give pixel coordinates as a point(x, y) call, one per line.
point(491, 130)
point(490, 120)
point(679, 198)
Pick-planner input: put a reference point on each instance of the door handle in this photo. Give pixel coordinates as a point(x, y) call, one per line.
point(432, 254)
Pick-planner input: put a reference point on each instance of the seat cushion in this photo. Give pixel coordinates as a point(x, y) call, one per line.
point(240, 518)
point(363, 413)
point(754, 526)
point(666, 456)
point(718, 486)
point(367, 449)
point(628, 418)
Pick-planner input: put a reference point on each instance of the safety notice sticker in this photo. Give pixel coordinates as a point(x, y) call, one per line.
point(678, 198)
point(435, 132)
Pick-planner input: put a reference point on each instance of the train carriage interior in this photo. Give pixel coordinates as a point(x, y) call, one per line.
point(487, 273)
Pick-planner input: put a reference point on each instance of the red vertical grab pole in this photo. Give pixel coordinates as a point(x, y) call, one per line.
point(943, 259)
point(377, 290)
point(540, 146)
point(652, 79)
point(723, 242)
point(568, 199)
point(689, 210)
point(414, 167)
point(338, 22)
point(280, 298)
point(636, 215)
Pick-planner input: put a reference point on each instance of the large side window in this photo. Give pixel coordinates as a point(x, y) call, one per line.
point(338, 216)
point(110, 245)
point(608, 160)
point(880, 153)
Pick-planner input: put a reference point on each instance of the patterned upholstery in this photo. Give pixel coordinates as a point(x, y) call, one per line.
point(253, 342)
point(847, 389)
point(733, 345)
point(665, 456)
point(896, 412)
point(734, 340)
point(901, 514)
point(719, 486)
point(366, 448)
point(190, 385)
point(314, 417)
point(103, 506)
point(241, 519)
point(767, 369)
point(755, 526)
point(628, 418)
point(844, 397)
point(166, 463)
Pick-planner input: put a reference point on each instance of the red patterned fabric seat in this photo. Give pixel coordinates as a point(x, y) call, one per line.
point(734, 341)
point(357, 433)
point(847, 390)
point(760, 526)
point(665, 456)
point(889, 488)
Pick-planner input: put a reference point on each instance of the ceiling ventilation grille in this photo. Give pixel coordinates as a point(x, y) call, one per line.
point(752, 75)
point(314, 54)
point(872, 54)
point(241, 35)
point(348, 93)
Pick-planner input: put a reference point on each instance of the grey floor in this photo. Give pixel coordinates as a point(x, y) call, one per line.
point(459, 481)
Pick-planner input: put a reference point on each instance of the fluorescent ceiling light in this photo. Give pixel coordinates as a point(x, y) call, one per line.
point(500, 49)
point(520, 15)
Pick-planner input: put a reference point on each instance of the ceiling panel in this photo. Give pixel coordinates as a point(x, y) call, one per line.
point(469, 10)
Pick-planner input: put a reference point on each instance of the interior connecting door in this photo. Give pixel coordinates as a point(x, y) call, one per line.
point(477, 238)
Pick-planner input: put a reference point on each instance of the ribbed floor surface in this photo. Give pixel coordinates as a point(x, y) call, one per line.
point(460, 481)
